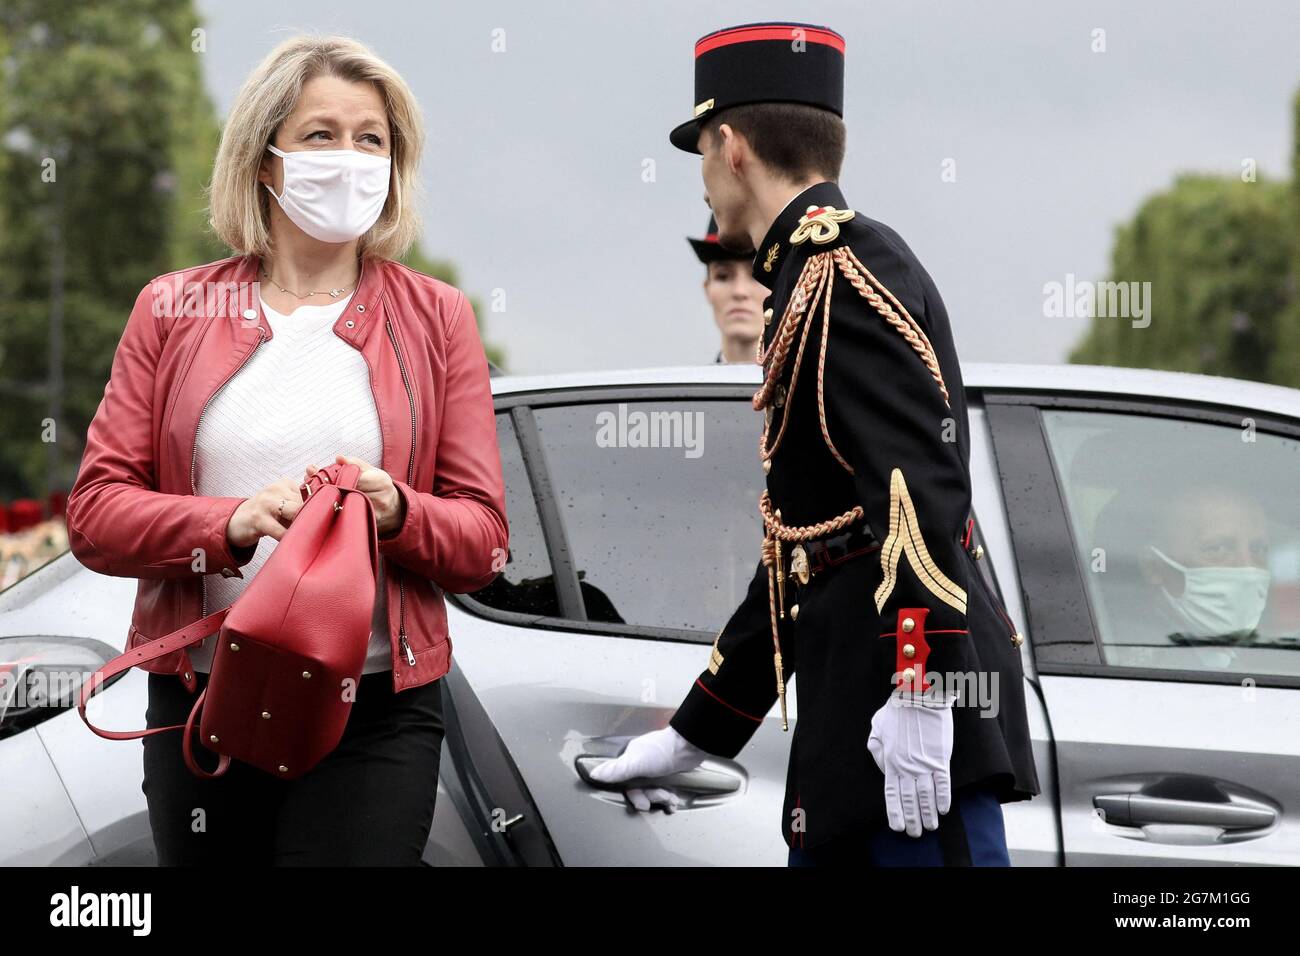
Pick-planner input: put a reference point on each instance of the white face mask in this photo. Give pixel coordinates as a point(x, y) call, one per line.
point(1218, 601)
point(334, 195)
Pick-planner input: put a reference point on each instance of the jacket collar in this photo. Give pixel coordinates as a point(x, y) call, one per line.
point(775, 247)
point(362, 307)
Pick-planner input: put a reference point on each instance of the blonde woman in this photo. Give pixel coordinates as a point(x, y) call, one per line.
point(232, 383)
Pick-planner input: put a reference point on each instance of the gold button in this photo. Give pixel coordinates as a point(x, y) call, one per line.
point(909, 625)
point(1017, 639)
point(767, 465)
point(794, 611)
point(909, 675)
point(283, 769)
point(767, 316)
point(306, 675)
point(266, 715)
point(187, 676)
point(977, 552)
point(909, 650)
point(234, 646)
point(212, 738)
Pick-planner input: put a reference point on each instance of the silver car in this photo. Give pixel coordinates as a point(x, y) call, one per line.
point(632, 499)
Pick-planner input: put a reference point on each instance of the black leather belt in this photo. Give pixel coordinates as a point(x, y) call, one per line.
point(826, 553)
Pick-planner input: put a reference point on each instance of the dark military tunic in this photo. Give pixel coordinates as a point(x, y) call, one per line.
point(888, 360)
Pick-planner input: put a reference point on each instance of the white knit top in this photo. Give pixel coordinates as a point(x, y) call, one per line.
point(271, 420)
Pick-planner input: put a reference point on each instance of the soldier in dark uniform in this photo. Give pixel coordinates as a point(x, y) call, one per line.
point(734, 296)
point(868, 578)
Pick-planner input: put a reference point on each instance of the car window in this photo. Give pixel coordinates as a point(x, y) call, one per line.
point(1188, 534)
point(660, 505)
point(526, 584)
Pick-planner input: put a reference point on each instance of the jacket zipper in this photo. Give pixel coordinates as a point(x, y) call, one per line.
point(261, 336)
point(410, 481)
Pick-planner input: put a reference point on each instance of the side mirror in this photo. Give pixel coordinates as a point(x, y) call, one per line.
point(41, 676)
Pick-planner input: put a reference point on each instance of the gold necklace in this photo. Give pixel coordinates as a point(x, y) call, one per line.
point(333, 293)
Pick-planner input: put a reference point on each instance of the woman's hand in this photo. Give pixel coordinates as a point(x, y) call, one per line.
point(270, 511)
point(389, 505)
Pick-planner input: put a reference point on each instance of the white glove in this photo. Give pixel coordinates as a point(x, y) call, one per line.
point(911, 741)
point(656, 754)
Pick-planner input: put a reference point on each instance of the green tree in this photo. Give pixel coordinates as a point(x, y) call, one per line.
point(1286, 356)
point(1217, 252)
point(1223, 259)
point(105, 125)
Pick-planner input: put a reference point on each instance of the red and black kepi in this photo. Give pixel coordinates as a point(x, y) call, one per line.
point(709, 249)
point(764, 63)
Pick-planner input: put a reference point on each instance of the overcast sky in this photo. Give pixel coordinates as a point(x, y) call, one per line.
point(535, 163)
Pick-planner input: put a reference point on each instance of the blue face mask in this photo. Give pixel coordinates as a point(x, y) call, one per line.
point(1217, 601)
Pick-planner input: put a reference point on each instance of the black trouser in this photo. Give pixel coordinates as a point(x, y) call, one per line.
point(368, 803)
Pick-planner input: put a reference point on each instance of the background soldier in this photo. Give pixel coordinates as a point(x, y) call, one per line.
point(868, 575)
point(733, 294)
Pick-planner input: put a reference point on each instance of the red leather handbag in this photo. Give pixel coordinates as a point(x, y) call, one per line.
point(292, 646)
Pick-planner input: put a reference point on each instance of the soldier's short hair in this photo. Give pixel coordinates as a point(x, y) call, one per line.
point(795, 140)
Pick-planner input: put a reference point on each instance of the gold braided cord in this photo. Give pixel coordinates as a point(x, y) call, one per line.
point(775, 357)
point(776, 645)
point(907, 316)
point(778, 530)
point(812, 287)
point(765, 452)
point(821, 375)
point(889, 295)
point(850, 265)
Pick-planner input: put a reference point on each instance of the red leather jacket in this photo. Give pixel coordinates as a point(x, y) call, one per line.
point(133, 512)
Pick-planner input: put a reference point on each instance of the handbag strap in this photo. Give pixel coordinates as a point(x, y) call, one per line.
point(344, 477)
point(187, 746)
point(178, 640)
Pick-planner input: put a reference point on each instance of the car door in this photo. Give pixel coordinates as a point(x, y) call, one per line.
point(634, 533)
point(1032, 829)
point(1158, 550)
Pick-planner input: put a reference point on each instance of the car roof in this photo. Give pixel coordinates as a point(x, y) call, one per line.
point(1056, 379)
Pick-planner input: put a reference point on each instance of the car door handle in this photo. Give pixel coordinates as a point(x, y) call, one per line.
point(1137, 810)
point(705, 782)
